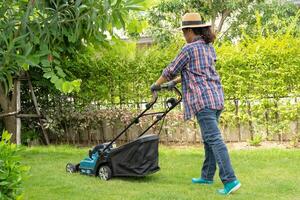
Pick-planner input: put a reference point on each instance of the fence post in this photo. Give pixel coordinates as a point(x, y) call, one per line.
point(250, 120)
point(297, 117)
point(195, 133)
point(237, 118)
point(277, 119)
point(267, 122)
point(102, 129)
point(167, 132)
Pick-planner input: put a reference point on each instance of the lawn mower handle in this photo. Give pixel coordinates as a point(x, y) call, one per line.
point(174, 88)
point(174, 104)
point(164, 87)
point(148, 106)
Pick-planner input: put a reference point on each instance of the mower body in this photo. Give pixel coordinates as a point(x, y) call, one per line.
point(90, 165)
point(137, 158)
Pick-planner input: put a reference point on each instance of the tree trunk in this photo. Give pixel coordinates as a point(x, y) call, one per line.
point(8, 104)
point(11, 126)
point(225, 14)
point(213, 18)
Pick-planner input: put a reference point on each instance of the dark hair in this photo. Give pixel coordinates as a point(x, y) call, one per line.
point(206, 33)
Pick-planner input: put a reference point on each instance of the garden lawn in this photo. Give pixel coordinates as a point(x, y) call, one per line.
point(264, 174)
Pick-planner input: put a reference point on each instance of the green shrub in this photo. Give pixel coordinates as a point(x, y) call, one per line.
point(28, 136)
point(295, 140)
point(256, 141)
point(11, 170)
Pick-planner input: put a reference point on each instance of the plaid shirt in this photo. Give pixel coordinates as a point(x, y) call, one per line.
point(201, 84)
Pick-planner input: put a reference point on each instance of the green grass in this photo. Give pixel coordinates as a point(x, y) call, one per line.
point(264, 174)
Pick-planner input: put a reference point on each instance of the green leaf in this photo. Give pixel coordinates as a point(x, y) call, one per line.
point(60, 72)
point(9, 80)
point(134, 2)
point(59, 84)
point(25, 66)
point(5, 136)
point(44, 47)
point(46, 63)
point(20, 38)
point(54, 78)
point(3, 183)
point(27, 49)
point(67, 87)
point(48, 75)
point(76, 84)
point(106, 4)
point(33, 60)
point(134, 7)
point(114, 2)
point(55, 54)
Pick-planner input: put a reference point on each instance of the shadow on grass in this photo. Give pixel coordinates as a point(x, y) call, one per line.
point(144, 179)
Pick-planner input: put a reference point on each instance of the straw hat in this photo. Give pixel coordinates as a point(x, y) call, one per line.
point(192, 20)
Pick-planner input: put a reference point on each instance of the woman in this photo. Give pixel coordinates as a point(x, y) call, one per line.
point(202, 97)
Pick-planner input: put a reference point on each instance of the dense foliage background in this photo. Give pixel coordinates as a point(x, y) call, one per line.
point(258, 61)
point(91, 72)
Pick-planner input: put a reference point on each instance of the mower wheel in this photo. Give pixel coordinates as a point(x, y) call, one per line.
point(70, 168)
point(105, 173)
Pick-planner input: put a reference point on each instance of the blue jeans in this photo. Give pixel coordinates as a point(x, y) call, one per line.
point(215, 148)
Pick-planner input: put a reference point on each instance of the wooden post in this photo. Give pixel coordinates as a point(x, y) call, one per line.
point(18, 109)
point(37, 110)
point(2, 115)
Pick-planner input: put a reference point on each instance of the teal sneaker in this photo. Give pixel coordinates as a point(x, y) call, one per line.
point(230, 187)
point(201, 181)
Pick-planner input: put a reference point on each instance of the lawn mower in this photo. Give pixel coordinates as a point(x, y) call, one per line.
point(137, 158)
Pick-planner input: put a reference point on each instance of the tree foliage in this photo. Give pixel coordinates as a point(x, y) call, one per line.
point(274, 18)
point(229, 18)
point(165, 17)
point(43, 34)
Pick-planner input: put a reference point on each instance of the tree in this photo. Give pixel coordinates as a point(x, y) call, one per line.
point(43, 34)
point(166, 16)
point(274, 16)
